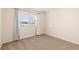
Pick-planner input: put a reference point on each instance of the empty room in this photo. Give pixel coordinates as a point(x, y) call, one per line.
point(39, 28)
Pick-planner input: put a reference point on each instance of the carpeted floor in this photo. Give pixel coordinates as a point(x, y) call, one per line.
point(42, 42)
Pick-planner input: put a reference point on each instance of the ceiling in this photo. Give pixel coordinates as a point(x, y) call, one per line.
point(41, 9)
point(37, 9)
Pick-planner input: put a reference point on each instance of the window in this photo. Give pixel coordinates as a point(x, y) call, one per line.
point(26, 18)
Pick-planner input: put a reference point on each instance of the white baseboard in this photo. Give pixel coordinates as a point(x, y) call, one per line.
point(63, 39)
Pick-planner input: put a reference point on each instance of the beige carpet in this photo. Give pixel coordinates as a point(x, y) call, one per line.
point(42, 42)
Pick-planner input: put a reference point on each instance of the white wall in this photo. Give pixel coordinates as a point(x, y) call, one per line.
point(63, 24)
point(40, 23)
point(7, 24)
point(0, 26)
